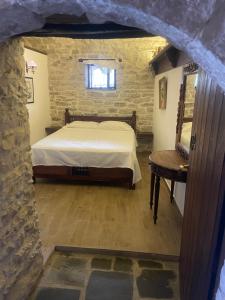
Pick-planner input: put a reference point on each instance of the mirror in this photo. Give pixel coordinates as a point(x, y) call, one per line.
point(186, 109)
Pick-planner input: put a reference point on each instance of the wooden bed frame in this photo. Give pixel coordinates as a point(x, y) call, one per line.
point(89, 174)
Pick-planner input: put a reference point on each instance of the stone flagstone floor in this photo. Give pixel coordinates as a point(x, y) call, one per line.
point(73, 276)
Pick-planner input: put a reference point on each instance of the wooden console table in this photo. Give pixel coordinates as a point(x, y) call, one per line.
point(167, 164)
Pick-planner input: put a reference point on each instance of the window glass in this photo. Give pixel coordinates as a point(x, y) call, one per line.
point(101, 77)
point(112, 78)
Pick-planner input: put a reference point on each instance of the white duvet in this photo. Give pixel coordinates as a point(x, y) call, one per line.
point(88, 147)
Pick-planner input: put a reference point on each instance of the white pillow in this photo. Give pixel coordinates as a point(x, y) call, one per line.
point(114, 125)
point(83, 124)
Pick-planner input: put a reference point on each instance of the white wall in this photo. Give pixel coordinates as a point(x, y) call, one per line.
point(220, 295)
point(39, 111)
point(164, 122)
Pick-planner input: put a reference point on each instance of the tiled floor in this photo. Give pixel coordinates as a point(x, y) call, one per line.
point(73, 276)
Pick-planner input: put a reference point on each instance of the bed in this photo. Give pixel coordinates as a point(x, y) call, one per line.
point(89, 148)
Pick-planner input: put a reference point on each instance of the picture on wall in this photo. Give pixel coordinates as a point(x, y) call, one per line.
point(30, 89)
point(162, 93)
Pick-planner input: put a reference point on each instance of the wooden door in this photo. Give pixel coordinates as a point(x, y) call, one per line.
point(204, 206)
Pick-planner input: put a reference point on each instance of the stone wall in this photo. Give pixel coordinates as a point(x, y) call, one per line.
point(196, 27)
point(20, 254)
point(135, 84)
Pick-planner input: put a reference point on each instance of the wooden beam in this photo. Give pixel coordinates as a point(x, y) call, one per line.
point(173, 56)
point(88, 31)
point(167, 59)
point(155, 66)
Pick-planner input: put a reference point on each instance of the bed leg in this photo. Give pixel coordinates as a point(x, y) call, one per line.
point(131, 186)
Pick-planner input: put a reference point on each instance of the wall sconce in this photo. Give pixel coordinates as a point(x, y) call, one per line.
point(31, 65)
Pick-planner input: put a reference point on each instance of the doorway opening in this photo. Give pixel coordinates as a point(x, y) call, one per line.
point(208, 64)
point(81, 215)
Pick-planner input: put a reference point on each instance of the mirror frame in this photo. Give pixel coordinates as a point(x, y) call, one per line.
point(189, 69)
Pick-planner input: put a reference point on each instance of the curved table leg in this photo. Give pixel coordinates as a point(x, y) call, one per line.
point(152, 189)
point(157, 189)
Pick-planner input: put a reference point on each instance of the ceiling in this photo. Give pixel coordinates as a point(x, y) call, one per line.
point(81, 28)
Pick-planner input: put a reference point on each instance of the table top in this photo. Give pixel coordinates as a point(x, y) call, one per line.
point(169, 159)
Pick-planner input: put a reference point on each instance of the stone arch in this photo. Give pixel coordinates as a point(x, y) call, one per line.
point(197, 27)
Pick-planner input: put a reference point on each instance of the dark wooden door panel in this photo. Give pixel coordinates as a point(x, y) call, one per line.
point(203, 193)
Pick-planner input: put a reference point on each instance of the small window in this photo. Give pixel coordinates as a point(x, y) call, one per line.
point(101, 77)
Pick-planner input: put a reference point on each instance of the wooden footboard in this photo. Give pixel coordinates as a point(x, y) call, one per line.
point(88, 174)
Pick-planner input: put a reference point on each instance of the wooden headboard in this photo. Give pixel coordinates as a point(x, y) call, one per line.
point(131, 120)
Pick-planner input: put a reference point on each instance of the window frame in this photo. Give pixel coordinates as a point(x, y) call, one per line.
point(108, 88)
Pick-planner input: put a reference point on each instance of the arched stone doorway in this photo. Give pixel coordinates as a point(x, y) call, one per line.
point(197, 31)
point(193, 26)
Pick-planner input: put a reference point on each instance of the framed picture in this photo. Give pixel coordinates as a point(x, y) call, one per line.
point(30, 89)
point(162, 93)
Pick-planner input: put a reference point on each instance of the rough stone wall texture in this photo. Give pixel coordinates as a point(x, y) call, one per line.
point(20, 254)
point(198, 27)
point(67, 84)
point(194, 26)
